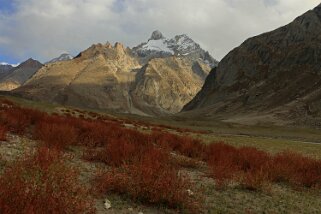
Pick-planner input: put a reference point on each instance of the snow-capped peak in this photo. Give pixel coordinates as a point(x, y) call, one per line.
point(62, 57)
point(181, 45)
point(13, 65)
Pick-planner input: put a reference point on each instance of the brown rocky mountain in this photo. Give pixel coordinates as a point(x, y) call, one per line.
point(277, 73)
point(5, 69)
point(112, 77)
point(17, 76)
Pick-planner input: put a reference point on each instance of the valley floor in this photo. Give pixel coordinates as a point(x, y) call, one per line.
point(233, 198)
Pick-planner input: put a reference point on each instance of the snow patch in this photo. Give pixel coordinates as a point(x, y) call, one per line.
point(13, 65)
point(157, 45)
point(180, 45)
point(62, 57)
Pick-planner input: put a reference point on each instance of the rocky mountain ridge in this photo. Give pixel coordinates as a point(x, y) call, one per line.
point(113, 77)
point(17, 76)
point(278, 72)
point(5, 69)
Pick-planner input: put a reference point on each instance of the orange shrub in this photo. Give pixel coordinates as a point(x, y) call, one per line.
point(15, 120)
point(3, 133)
point(151, 180)
point(56, 135)
point(252, 168)
point(220, 158)
point(296, 169)
point(93, 134)
point(18, 120)
point(245, 165)
point(43, 184)
point(252, 159)
point(254, 165)
point(184, 145)
point(127, 147)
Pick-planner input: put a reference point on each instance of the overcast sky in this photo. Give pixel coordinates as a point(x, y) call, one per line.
point(43, 29)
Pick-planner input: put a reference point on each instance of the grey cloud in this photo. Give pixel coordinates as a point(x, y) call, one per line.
point(44, 29)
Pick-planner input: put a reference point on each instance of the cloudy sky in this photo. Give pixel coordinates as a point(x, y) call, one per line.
point(43, 29)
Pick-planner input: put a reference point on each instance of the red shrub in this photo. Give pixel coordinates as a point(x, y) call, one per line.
point(153, 181)
point(254, 179)
point(251, 159)
point(93, 134)
point(18, 120)
point(296, 169)
point(128, 147)
point(5, 102)
point(184, 145)
point(56, 135)
point(15, 120)
point(246, 165)
point(252, 168)
point(3, 133)
point(42, 184)
point(254, 165)
point(220, 159)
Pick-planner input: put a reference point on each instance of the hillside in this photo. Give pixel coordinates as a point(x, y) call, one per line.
point(17, 76)
point(5, 69)
point(277, 73)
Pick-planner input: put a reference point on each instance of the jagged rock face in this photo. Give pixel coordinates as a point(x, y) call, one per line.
point(156, 35)
point(277, 70)
point(111, 77)
point(166, 84)
point(181, 45)
point(62, 57)
point(19, 75)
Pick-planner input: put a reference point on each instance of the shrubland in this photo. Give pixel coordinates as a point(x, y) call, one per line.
point(142, 165)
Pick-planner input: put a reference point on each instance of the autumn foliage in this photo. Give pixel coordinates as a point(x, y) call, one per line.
point(3, 133)
point(43, 183)
point(295, 169)
point(152, 180)
point(56, 135)
point(253, 168)
point(145, 166)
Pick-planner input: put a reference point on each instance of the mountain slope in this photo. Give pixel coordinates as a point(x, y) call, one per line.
point(19, 75)
point(167, 84)
point(113, 78)
point(277, 72)
point(5, 69)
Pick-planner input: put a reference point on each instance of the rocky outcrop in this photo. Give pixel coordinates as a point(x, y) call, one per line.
point(19, 75)
point(279, 71)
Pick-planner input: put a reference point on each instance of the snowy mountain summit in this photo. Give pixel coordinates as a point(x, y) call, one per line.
point(181, 45)
point(62, 57)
